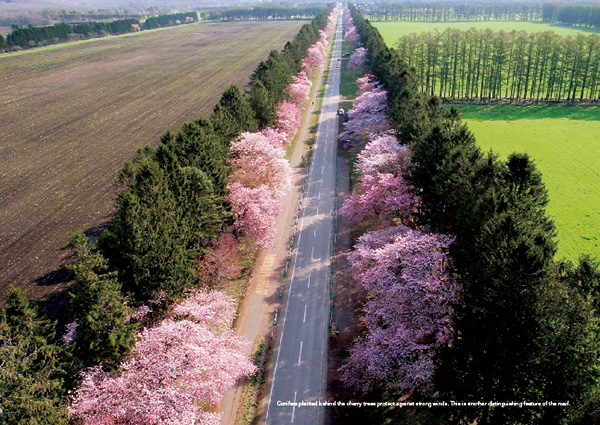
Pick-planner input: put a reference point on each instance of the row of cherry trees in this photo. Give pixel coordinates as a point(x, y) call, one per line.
point(404, 271)
point(261, 175)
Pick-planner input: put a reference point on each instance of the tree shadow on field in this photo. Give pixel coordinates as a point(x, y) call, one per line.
point(564, 26)
point(55, 277)
point(55, 305)
point(506, 112)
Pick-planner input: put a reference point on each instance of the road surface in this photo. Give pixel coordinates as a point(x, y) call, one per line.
point(298, 385)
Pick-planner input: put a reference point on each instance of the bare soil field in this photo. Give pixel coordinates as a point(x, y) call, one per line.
point(71, 114)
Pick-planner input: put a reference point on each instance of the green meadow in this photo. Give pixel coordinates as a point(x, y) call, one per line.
point(392, 31)
point(564, 142)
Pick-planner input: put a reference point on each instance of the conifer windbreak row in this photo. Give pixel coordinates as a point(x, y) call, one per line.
point(262, 13)
point(171, 233)
point(581, 15)
point(526, 328)
point(453, 12)
point(29, 37)
point(514, 66)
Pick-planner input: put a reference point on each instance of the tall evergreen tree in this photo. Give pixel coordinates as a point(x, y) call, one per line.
point(162, 214)
point(233, 115)
point(274, 75)
point(263, 104)
point(146, 243)
point(198, 144)
point(104, 333)
point(502, 270)
point(31, 374)
point(569, 312)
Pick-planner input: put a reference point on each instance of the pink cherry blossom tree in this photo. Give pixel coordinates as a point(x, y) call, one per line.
point(275, 137)
point(367, 115)
point(255, 211)
point(315, 57)
point(323, 38)
point(288, 119)
point(179, 370)
point(220, 263)
point(383, 154)
point(408, 314)
point(383, 197)
point(358, 60)
point(255, 161)
point(365, 83)
point(350, 34)
point(299, 89)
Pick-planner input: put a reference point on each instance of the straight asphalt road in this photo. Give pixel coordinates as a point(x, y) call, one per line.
point(298, 384)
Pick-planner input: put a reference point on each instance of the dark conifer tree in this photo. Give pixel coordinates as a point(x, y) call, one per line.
point(104, 333)
point(31, 374)
point(146, 243)
point(233, 115)
point(263, 104)
point(274, 75)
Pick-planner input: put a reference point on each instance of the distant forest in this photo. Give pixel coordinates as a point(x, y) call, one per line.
point(23, 38)
point(555, 13)
point(34, 36)
point(262, 13)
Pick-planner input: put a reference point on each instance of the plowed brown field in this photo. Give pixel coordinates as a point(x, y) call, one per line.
point(70, 116)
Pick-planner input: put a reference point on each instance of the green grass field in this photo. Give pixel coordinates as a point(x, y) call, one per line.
point(392, 31)
point(348, 87)
point(71, 114)
point(564, 142)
